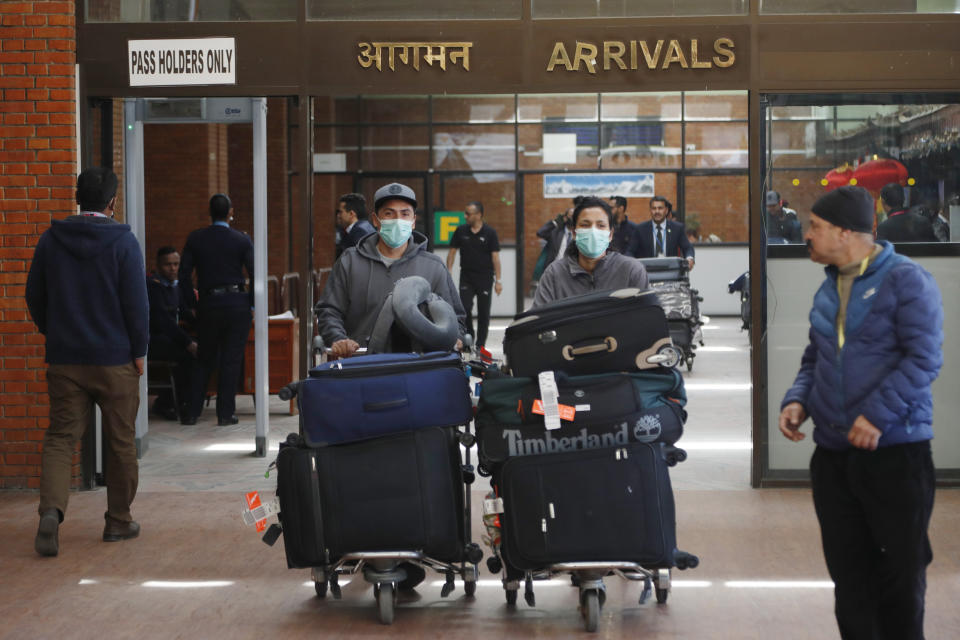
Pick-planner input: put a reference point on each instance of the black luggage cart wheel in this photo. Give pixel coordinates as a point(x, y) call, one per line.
point(590, 610)
point(386, 596)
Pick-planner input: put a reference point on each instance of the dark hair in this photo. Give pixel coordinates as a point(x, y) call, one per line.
point(355, 202)
point(477, 204)
point(892, 194)
point(620, 200)
point(665, 202)
point(96, 187)
point(220, 206)
point(165, 251)
point(588, 202)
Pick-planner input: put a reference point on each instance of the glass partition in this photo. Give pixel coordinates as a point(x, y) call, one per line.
point(189, 10)
point(413, 10)
point(636, 8)
point(904, 144)
point(859, 6)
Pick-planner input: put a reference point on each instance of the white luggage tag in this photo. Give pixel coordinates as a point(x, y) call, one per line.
point(257, 513)
point(549, 395)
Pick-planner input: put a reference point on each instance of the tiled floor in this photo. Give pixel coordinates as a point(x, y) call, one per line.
point(197, 572)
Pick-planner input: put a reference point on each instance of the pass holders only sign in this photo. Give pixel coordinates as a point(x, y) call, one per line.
point(180, 62)
point(444, 224)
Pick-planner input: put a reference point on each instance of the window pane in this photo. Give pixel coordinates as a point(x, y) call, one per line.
point(640, 106)
point(802, 143)
point(859, 6)
point(715, 105)
point(473, 147)
point(473, 109)
point(189, 10)
point(497, 193)
point(383, 109)
point(337, 147)
point(413, 9)
point(718, 206)
point(530, 149)
point(557, 107)
point(336, 110)
point(636, 8)
point(650, 145)
point(716, 145)
point(905, 141)
point(395, 148)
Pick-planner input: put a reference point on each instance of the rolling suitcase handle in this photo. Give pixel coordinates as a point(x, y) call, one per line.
point(609, 344)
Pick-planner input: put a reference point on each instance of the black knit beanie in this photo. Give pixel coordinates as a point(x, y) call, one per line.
point(847, 207)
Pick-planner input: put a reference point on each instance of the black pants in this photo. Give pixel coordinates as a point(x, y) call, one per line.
point(874, 510)
point(222, 340)
point(479, 286)
point(186, 376)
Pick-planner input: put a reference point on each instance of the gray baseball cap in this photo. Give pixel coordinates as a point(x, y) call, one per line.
point(772, 198)
point(394, 190)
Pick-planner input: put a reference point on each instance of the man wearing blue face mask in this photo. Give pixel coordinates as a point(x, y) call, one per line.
point(365, 274)
point(587, 265)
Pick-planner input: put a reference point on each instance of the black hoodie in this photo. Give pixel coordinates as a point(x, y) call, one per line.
point(87, 293)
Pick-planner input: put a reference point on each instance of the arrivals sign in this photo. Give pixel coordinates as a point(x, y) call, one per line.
point(181, 62)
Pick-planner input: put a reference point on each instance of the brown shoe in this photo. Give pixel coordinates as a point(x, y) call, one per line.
point(48, 538)
point(115, 530)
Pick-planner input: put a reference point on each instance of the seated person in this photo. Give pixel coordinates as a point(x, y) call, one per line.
point(168, 341)
point(365, 274)
point(587, 265)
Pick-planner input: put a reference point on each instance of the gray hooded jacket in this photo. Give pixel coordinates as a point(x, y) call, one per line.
point(360, 282)
point(565, 277)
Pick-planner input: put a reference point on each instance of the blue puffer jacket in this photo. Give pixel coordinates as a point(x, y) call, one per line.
point(891, 354)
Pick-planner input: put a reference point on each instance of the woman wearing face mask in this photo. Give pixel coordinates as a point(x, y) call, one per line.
point(587, 266)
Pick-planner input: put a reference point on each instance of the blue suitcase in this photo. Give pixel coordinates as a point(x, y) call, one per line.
point(375, 395)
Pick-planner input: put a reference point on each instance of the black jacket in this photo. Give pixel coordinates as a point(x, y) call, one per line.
point(675, 239)
point(86, 292)
point(220, 255)
point(904, 226)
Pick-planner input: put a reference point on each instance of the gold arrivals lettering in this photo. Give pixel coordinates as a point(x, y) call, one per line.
point(674, 54)
point(657, 54)
point(559, 56)
point(724, 48)
point(587, 53)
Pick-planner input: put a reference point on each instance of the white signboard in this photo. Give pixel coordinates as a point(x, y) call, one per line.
point(180, 62)
point(600, 185)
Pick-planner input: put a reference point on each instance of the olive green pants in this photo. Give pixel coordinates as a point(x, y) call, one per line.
point(73, 390)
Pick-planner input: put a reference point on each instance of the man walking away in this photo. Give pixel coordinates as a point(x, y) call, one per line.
point(87, 294)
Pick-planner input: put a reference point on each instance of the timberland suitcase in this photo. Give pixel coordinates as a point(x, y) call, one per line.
point(590, 506)
point(603, 410)
point(399, 492)
point(619, 330)
point(301, 514)
point(375, 395)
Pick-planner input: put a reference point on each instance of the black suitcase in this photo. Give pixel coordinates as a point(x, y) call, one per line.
point(666, 269)
point(589, 506)
point(608, 410)
point(301, 515)
point(597, 332)
point(395, 493)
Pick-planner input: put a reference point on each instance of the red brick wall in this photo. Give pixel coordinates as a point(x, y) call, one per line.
point(37, 178)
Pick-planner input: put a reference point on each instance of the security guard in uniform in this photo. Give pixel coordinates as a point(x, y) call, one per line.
point(219, 254)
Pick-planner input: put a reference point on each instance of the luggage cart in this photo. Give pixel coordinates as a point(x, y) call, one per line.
point(586, 575)
point(670, 278)
point(383, 569)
